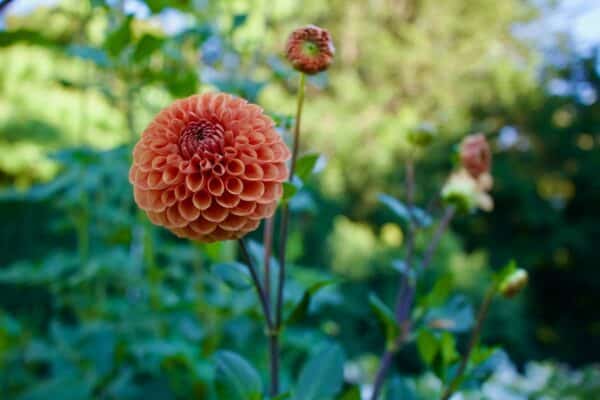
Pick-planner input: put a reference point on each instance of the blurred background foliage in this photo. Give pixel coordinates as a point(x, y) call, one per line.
point(97, 303)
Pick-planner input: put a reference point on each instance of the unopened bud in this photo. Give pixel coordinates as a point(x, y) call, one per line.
point(514, 283)
point(421, 136)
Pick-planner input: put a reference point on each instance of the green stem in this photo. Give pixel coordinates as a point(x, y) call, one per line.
point(283, 234)
point(483, 310)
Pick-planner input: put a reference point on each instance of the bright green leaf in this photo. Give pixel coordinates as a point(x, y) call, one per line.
point(305, 165)
point(428, 346)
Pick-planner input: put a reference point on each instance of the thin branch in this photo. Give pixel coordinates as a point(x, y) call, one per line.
point(483, 310)
point(268, 248)
point(256, 282)
point(284, 208)
point(441, 229)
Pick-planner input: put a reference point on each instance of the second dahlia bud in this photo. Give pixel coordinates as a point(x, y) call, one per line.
point(310, 49)
point(475, 154)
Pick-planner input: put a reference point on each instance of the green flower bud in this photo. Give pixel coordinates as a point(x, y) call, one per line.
point(514, 283)
point(422, 136)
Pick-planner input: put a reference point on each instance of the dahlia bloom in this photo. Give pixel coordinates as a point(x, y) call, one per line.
point(475, 154)
point(209, 167)
point(310, 49)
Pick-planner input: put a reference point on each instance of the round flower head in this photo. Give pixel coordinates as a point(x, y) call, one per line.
point(475, 154)
point(310, 49)
point(209, 167)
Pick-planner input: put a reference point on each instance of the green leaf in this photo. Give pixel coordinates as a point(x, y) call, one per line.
point(505, 271)
point(399, 388)
point(118, 39)
point(448, 348)
point(64, 388)
point(282, 396)
point(351, 394)
point(233, 274)
point(386, 317)
point(396, 206)
point(289, 190)
point(301, 307)
point(236, 379)
point(305, 165)
point(239, 20)
point(322, 376)
point(147, 45)
point(88, 53)
point(428, 346)
point(455, 316)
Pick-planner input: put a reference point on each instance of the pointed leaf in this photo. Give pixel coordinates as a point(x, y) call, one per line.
point(233, 274)
point(236, 379)
point(305, 165)
point(322, 376)
point(385, 316)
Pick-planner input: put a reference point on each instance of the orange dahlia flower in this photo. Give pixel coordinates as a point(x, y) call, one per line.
point(310, 49)
point(475, 154)
point(209, 167)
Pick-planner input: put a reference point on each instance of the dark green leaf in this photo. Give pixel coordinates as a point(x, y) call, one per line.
point(301, 308)
point(385, 316)
point(236, 379)
point(233, 274)
point(400, 389)
point(322, 376)
point(455, 316)
point(351, 394)
point(239, 20)
point(147, 45)
point(119, 38)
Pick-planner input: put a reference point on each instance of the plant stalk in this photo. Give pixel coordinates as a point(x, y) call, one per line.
point(482, 313)
point(256, 282)
point(283, 234)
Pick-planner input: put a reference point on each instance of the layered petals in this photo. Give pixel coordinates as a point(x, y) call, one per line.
point(209, 167)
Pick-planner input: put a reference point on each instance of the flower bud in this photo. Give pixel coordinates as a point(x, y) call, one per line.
point(422, 136)
point(466, 193)
point(514, 283)
point(475, 154)
point(310, 49)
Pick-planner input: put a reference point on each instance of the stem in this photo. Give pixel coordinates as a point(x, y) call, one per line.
point(283, 233)
point(483, 310)
point(274, 358)
point(448, 215)
point(256, 282)
point(406, 289)
point(268, 246)
point(285, 209)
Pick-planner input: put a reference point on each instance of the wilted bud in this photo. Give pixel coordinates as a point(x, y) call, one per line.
point(475, 154)
point(310, 49)
point(514, 283)
point(421, 136)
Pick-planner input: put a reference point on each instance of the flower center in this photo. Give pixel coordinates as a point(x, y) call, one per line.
point(201, 137)
point(310, 48)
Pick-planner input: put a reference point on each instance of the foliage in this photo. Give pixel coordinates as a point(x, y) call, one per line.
point(98, 303)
